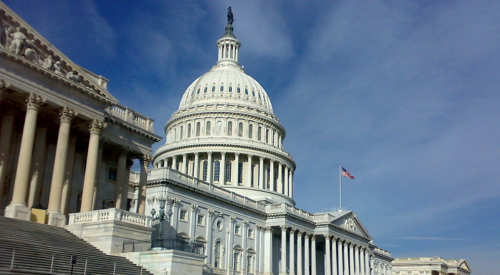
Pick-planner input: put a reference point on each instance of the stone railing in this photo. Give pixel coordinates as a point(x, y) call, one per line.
point(111, 214)
point(160, 174)
point(383, 252)
point(286, 208)
point(131, 117)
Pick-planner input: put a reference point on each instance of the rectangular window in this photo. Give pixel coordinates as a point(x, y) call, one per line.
point(183, 215)
point(237, 229)
point(240, 172)
point(250, 233)
point(228, 171)
point(205, 168)
point(201, 220)
point(112, 173)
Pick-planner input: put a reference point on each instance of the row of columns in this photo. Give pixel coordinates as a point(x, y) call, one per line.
point(341, 256)
point(253, 174)
point(31, 162)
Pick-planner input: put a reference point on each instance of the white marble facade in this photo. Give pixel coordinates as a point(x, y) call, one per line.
point(228, 183)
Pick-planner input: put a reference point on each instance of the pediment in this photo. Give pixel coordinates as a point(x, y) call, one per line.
point(463, 265)
point(21, 42)
point(350, 223)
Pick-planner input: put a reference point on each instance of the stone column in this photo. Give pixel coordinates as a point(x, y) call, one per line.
point(196, 165)
point(68, 176)
point(184, 164)
point(208, 234)
point(222, 176)
point(17, 207)
point(290, 183)
point(175, 218)
point(283, 249)
point(362, 261)
point(279, 184)
point(120, 200)
point(210, 175)
point(271, 176)
point(356, 260)
point(292, 252)
point(192, 222)
point(345, 246)
point(250, 171)
point(37, 167)
point(328, 255)
point(307, 252)
point(174, 163)
point(268, 248)
point(98, 173)
point(261, 173)
point(244, 237)
point(143, 178)
point(334, 256)
point(351, 259)
point(258, 249)
point(91, 168)
point(5, 134)
point(367, 262)
point(299, 253)
point(286, 182)
point(54, 210)
point(236, 169)
point(313, 255)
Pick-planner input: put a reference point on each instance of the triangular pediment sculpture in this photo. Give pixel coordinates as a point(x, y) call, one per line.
point(20, 42)
point(350, 223)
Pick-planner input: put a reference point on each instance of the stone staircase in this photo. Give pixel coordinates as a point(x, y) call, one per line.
point(31, 248)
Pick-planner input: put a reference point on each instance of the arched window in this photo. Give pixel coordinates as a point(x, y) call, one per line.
point(230, 89)
point(250, 131)
point(198, 128)
point(205, 170)
point(213, 88)
point(198, 92)
point(189, 131)
point(221, 88)
point(217, 170)
point(229, 128)
point(180, 134)
point(240, 129)
point(267, 135)
point(217, 254)
point(228, 171)
point(259, 133)
point(205, 90)
point(240, 172)
point(207, 128)
point(238, 90)
point(218, 129)
point(237, 260)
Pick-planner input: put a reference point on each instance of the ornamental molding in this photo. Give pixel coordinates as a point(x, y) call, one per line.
point(24, 45)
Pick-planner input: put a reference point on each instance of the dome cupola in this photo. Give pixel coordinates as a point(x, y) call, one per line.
point(225, 132)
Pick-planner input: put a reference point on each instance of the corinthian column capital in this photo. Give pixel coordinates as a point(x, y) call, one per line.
point(67, 114)
point(34, 101)
point(96, 126)
point(146, 159)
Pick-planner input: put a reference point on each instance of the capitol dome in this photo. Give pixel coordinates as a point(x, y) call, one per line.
point(225, 133)
point(226, 83)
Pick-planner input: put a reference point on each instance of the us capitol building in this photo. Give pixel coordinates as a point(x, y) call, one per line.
point(218, 198)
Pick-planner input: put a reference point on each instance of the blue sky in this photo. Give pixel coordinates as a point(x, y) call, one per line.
point(404, 93)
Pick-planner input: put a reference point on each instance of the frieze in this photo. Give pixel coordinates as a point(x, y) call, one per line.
point(17, 40)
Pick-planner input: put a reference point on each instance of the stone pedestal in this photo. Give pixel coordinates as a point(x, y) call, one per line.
point(107, 229)
point(18, 211)
point(56, 218)
point(168, 261)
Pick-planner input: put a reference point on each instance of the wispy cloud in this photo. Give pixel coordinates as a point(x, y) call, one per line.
point(416, 238)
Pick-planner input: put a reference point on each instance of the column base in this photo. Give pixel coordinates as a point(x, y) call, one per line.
point(18, 211)
point(56, 218)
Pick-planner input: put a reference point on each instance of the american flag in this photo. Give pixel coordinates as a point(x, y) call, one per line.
point(346, 173)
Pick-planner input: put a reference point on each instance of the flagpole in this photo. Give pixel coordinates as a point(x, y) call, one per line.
point(340, 185)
